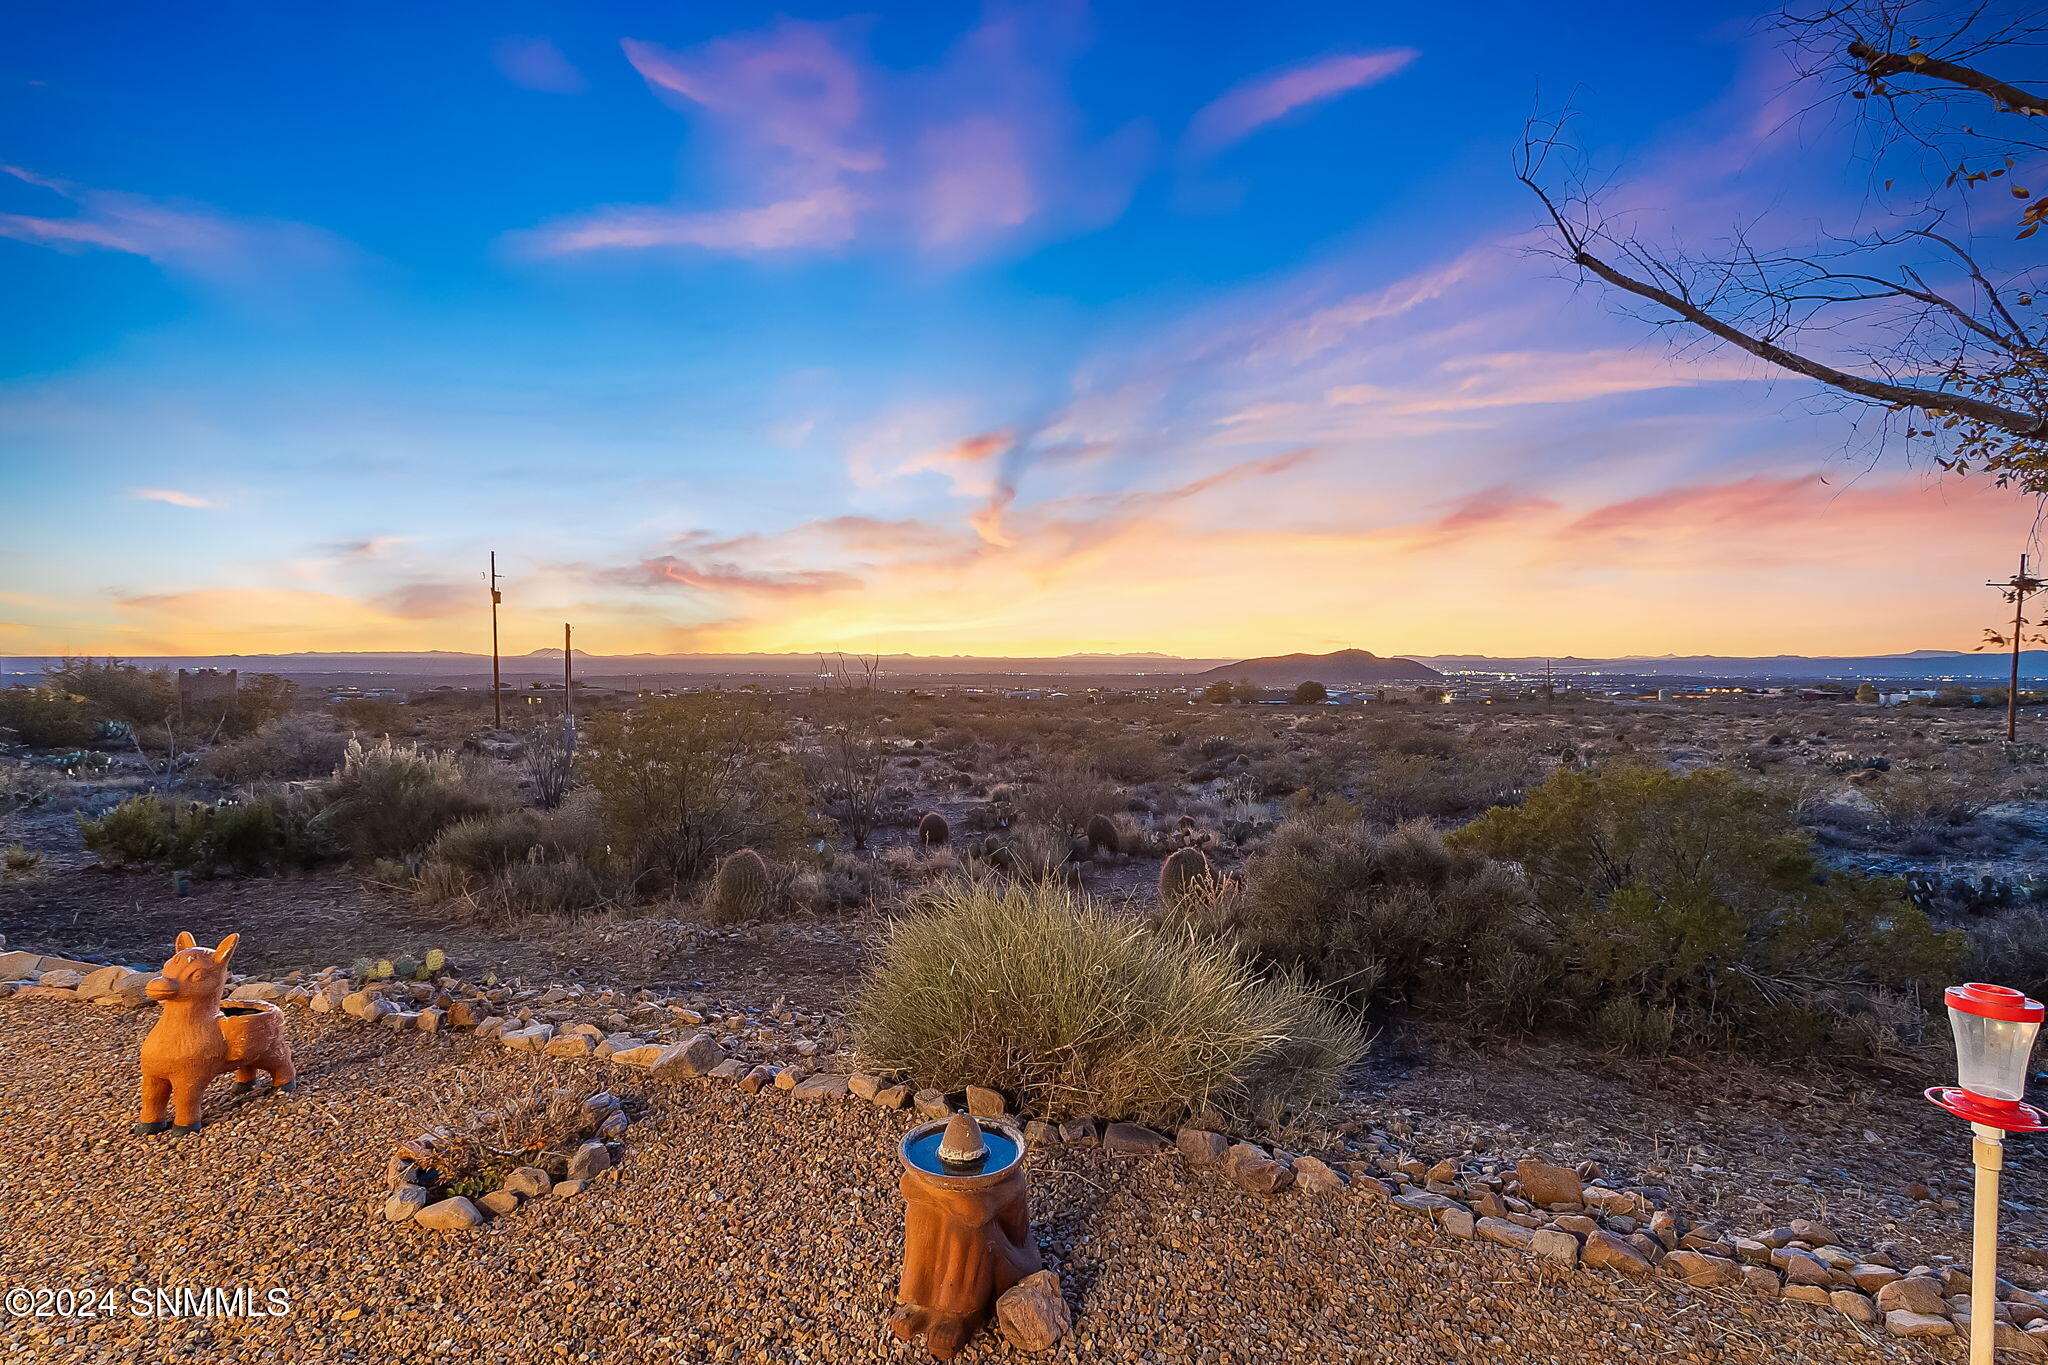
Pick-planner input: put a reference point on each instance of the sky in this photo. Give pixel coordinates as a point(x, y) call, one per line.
point(1201, 328)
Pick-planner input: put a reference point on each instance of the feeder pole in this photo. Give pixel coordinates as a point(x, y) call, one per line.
point(1987, 1153)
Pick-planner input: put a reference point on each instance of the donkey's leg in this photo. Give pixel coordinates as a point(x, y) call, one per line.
point(185, 1105)
point(156, 1097)
point(283, 1075)
point(245, 1080)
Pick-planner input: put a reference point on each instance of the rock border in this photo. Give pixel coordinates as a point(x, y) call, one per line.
point(1557, 1213)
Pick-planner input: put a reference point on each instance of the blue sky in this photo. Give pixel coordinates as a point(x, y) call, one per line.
point(1201, 328)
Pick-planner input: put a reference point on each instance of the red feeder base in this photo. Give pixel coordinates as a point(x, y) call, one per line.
point(2012, 1118)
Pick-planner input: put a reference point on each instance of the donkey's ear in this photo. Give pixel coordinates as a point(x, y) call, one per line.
point(226, 949)
point(185, 940)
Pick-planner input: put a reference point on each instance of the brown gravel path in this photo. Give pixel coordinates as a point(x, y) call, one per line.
point(739, 1228)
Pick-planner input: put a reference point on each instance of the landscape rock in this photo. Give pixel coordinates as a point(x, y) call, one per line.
point(1700, 1270)
point(1854, 1306)
point(1200, 1147)
point(821, 1087)
point(589, 1160)
point(1547, 1184)
point(694, 1056)
point(404, 1202)
point(1554, 1245)
point(1608, 1251)
point(1249, 1168)
point(1505, 1233)
point(1901, 1322)
point(1315, 1176)
point(1915, 1294)
point(1032, 1313)
point(985, 1103)
point(528, 1181)
point(499, 1202)
point(569, 1189)
point(450, 1215)
point(1132, 1139)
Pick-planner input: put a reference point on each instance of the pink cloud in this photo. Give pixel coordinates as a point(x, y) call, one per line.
point(1251, 105)
point(536, 64)
point(818, 147)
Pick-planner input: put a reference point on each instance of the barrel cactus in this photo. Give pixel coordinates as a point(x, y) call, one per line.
point(1102, 835)
point(739, 889)
point(933, 830)
point(1183, 870)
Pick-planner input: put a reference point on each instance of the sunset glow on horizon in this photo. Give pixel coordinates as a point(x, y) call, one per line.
point(926, 332)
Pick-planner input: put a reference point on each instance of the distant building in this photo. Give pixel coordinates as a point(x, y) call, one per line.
point(207, 684)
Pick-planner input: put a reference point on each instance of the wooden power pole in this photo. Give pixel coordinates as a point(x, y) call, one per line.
point(568, 693)
point(2017, 589)
point(497, 694)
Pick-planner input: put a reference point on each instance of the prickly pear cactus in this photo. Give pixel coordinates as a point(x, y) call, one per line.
point(437, 961)
point(405, 969)
point(361, 969)
point(383, 970)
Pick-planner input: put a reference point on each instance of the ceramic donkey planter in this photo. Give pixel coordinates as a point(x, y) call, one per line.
point(196, 1038)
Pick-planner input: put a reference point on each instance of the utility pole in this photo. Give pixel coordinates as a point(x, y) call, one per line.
point(1549, 686)
point(2017, 589)
point(568, 694)
point(497, 695)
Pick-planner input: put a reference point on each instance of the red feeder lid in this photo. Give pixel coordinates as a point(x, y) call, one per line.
point(1994, 1002)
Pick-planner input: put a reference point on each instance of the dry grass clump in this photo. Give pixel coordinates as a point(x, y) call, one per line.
point(480, 1134)
point(1038, 991)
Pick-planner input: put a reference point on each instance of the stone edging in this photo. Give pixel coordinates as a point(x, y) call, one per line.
point(1557, 1213)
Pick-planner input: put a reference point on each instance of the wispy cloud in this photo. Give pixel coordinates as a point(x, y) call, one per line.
point(822, 148)
point(537, 64)
point(170, 495)
point(1251, 105)
point(190, 239)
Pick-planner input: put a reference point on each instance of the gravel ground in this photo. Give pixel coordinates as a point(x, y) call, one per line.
point(738, 1228)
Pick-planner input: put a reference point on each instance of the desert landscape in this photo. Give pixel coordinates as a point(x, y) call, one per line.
point(1073, 680)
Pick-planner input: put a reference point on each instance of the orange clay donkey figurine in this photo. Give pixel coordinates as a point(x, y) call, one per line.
point(196, 1038)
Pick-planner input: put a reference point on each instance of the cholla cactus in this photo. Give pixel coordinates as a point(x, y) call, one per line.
point(1183, 869)
point(739, 889)
point(933, 830)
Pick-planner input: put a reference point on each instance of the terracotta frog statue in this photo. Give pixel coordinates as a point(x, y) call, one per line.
point(196, 1038)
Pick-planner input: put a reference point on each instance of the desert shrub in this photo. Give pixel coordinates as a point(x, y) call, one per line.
point(47, 717)
point(25, 788)
point(1406, 785)
point(389, 799)
point(933, 831)
point(681, 783)
point(739, 889)
point(549, 766)
point(116, 690)
point(1065, 793)
point(1690, 910)
point(292, 746)
point(1043, 994)
point(1131, 758)
point(1369, 915)
point(2011, 950)
point(18, 861)
point(1918, 803)
point(265, 831)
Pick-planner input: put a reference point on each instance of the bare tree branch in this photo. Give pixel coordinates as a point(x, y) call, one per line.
point(2009, 98)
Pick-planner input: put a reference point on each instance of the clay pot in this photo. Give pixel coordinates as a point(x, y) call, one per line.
point(966, 1239)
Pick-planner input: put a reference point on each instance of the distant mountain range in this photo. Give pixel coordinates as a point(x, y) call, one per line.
point(1345, 665)
point(1332, 670)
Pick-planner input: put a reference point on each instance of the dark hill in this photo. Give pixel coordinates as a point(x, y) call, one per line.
point(1332, 670)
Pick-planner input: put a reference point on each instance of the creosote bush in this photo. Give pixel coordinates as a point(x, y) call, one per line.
point(1377, 916)
point(1690, 911)
point(389, 799)
point(1041, 993)
point(265, 831)
point(299, 745)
